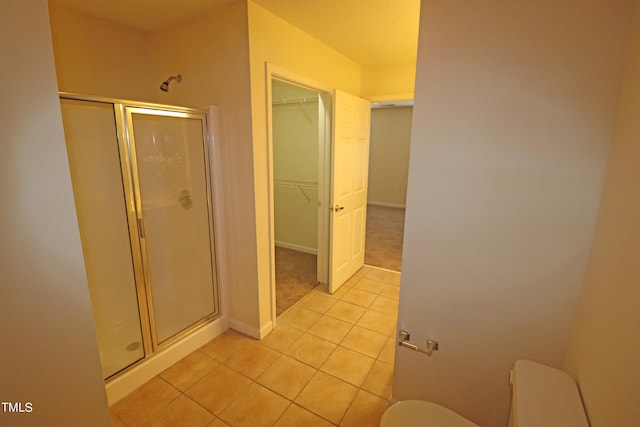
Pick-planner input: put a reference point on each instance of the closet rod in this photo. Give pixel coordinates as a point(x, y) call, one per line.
point(294, 100)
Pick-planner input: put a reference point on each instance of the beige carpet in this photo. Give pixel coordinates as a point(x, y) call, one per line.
point(295, 277)
point(385, 228)
point(296, 271)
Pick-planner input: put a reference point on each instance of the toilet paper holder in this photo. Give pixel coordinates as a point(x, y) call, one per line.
point(405, 336)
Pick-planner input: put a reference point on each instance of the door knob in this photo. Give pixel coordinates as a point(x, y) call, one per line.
point(336, 208)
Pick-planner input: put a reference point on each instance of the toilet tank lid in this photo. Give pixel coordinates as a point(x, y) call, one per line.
point(545, 396)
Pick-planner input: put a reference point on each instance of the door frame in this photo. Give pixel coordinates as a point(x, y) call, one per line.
point(324, 171)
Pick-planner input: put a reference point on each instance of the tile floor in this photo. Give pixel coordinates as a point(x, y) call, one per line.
point(329, 362)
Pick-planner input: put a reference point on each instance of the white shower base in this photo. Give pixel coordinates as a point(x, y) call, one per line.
point(135, 376)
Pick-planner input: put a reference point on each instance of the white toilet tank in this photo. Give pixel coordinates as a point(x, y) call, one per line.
point(544, 396)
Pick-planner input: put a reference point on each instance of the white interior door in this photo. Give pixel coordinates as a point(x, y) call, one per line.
point(350, 165)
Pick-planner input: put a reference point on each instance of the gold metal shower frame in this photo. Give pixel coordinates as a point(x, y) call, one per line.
point(123, 110)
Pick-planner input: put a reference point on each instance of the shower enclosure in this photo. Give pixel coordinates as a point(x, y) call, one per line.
point(142, 187)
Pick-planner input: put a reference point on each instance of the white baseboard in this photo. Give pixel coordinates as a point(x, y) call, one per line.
point(386, 205)
point(264, 331)
point(252, 331)
point(125, 383)
point(375, 267)
point(298, 248)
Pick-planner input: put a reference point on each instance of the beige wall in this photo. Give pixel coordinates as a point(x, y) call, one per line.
point(275, 41)
point(605, 345)
point(513, 116)
point(97, 57)
point(211, 53)
point(389, 156)
point(295, 167)
point(49, 353)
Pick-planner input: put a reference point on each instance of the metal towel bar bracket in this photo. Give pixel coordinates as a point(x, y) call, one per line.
point(404, 342)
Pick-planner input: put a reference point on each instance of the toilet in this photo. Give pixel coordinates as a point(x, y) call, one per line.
point(420, 413)
point(541, 396)
point(544, 396)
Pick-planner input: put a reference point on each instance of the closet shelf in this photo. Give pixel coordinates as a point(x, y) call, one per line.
point(300, 185)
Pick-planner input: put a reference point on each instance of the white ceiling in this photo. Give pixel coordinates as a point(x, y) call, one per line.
point(370, 32)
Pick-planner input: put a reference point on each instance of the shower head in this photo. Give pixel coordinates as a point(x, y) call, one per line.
point(165, 84)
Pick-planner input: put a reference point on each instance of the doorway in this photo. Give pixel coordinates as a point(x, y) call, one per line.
point(298, 158)
point(388, 172)
point(343, 149)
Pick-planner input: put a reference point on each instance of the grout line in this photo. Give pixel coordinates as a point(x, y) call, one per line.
point(283, 353)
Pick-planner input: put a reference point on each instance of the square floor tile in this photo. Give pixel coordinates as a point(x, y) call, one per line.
point(251, 359)
point(182, 412)
point(317, 301)
point(224, 345)
point(388, 353)
point(116, 422)
point(359, 297)
point(346, 311)
point(256, 407)
point(361, 272)
point(386, 305)
point(364, 341)
point(295, 416)
point(338, 294)
point(390, 291)
point(365, 411)
point(189, 370)
point(217, 422)
point(323, 349)
point(348, 365)
point(395, 280)
point(286, 376)
point(327, 397)
point(145, 402)
point(282, 337)
point(330, 329)
point(380, 380)
point(381, 274)
point(312, 350)
point(218, 389)
point(378, 321)
point(369, 285)
point(299, 318)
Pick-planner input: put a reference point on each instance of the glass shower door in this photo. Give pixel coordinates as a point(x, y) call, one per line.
point(94, 161)
point(170, 163)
